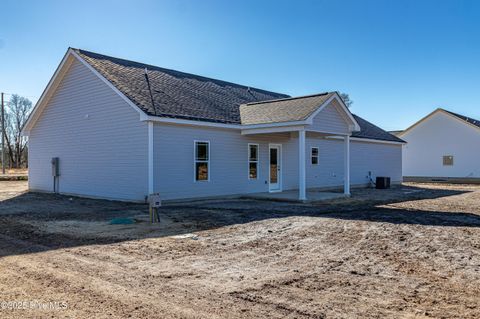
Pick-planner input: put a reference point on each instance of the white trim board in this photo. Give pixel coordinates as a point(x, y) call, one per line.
point(208, 161)
point(257, 161)
point(279, 163)
point(366, 140)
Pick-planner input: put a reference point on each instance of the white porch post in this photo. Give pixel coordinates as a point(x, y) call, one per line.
point(302, 192)
point(346, 180)
point(150, 157)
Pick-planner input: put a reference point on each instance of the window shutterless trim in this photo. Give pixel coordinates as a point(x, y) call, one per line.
point(314, 156)
point(257, 161)
point(195, 161)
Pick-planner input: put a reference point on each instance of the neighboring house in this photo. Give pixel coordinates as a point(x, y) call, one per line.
point(442, 146)
point(122, 130)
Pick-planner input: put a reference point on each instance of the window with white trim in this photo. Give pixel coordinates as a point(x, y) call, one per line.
point(314, 156)
point(252, 161)
point(202, 161)
point(448, 160)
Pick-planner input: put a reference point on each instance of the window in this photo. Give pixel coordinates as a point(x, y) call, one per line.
point(447, 160)
point(252, 161)
point(314, 155)
point(202, 161)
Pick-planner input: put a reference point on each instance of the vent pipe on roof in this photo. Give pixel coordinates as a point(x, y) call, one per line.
point(150, 90)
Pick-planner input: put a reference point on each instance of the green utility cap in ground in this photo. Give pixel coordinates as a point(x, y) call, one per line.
point(122, 221)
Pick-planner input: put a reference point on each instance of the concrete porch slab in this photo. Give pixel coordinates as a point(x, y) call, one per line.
point(292, 196)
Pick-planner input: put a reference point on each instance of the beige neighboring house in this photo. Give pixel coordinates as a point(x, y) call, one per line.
point(442, 146)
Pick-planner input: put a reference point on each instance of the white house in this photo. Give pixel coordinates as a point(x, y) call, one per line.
point(123, 129)
point(442, 146)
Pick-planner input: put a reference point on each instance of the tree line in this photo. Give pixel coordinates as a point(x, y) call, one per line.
point(17, 110)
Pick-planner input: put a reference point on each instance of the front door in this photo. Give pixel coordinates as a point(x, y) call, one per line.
point(275, 168)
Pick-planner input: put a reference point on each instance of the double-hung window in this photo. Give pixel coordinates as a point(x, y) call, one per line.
point(314, 156)
point(202, 161)
point(252, 161)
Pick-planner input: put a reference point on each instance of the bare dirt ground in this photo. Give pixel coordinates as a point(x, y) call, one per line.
point(409, 252)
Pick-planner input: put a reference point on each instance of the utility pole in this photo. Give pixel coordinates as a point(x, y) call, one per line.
point(3, 137)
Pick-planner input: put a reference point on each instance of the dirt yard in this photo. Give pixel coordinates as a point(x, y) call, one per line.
point(409, 252)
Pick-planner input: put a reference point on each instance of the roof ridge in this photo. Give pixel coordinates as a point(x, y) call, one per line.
point(143, 65)
point(288, 98)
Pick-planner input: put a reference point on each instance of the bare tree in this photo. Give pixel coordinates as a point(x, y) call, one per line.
point(346, 99)
point(16, 115)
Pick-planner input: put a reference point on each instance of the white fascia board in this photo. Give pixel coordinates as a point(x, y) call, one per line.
point(168, 120)
point(277, 124)
point(354, 125)
point(326, 133)
point(279, 129)
point(366, 140)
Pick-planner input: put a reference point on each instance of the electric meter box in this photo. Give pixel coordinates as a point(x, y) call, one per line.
point(55, 166)
point(154, 200)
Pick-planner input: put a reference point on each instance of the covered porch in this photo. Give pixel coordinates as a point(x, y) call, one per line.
point(326, 118)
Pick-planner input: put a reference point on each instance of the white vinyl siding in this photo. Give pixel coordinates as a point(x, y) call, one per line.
point(228, 161)
point(438, 136)
point(98, 137)
point(379, 159)
point(330, 120)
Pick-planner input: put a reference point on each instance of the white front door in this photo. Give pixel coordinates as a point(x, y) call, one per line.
point(275, 166)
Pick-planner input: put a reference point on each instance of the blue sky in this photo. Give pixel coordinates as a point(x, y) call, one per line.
point(398, 60)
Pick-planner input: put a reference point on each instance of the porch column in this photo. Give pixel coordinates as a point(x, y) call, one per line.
point(346, 156)
point(302, 192)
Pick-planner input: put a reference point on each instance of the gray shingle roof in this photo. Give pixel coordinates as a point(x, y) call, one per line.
point(371, 131)
point(465, 118)
point(176, 94)
point(188, 96)
point(283, 110)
